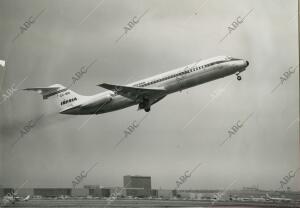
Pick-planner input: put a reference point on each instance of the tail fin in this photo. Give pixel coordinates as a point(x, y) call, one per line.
point(64, 97)
point(27, 198)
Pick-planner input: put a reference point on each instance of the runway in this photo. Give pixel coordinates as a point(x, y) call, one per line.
point(144, 203)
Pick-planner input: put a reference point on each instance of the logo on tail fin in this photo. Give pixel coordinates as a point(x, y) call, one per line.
point(64, 97)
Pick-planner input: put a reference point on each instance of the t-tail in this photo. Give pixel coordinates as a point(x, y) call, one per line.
point(65, 98)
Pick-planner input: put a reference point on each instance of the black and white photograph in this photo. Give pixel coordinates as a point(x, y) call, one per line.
point(149, 103)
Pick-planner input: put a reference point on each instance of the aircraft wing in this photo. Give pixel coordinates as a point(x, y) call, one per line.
point(134, 93)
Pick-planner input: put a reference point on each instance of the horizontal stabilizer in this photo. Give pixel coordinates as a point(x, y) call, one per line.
point(46, 91)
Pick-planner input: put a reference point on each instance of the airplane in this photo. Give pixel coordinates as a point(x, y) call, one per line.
point(13, 198)
point(258, 199)
point(2, 63)
point(277, 199)
point(146, 92)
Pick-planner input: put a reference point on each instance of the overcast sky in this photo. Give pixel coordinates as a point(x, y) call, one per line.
point(181, 131)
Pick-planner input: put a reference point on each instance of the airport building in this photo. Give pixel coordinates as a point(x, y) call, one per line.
point(117, 192)
point(140, 186)
point(1, 192)
point(52, 192)
point(91, 186)
point(165, 193)
point(105, 192)
point(137, 186)
point(188, 195)
point(79, 192)
point(99, 192)
point(154, 193)
point(93, 190)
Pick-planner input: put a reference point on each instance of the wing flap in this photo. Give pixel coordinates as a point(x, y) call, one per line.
point(134, 93)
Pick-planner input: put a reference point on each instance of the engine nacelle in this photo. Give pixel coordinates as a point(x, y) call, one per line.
point(97, 101)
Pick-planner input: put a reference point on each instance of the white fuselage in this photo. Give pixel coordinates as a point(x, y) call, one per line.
point(172, 81)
